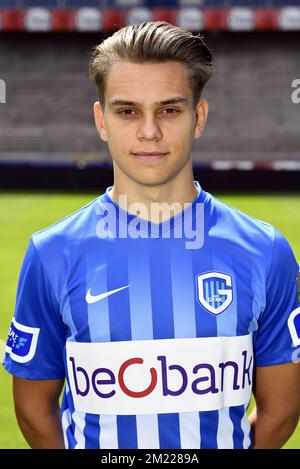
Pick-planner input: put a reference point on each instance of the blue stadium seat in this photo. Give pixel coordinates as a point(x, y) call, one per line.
point(285, 3)
point(183, 3)
point(40, 3)
point(214, 3)
point(9, 3)
point(161, 3)
point(179, 3)
point(124, 4)
point(250, 3)
point(85, 3)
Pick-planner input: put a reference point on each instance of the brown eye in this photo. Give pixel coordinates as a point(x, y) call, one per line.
point(126, 112)
point(170, 110)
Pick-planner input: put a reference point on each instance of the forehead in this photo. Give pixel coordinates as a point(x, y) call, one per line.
point(154, 81)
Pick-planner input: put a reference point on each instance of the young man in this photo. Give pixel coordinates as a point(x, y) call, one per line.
point(156, 304)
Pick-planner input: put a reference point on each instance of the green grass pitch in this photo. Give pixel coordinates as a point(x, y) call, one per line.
point(21, 214)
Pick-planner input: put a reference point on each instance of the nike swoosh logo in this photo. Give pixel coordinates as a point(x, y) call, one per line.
point(93, 299)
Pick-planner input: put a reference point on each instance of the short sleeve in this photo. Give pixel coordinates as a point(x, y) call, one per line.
point(36, 337)
point(273, 340)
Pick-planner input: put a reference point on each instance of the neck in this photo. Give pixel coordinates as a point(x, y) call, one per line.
point(155, 203)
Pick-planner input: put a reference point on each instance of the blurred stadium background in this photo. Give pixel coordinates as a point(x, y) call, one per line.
point(49, 145)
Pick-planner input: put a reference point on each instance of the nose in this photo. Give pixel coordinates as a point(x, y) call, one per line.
point(149, 129)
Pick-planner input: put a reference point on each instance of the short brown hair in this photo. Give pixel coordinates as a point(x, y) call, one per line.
point(153, 41)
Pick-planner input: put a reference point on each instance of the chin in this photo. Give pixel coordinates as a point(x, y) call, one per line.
point(151, 180)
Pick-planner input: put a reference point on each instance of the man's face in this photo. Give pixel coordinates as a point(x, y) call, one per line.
point(149, 120)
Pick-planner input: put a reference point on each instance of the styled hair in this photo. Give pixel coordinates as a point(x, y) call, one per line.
point(153, 42)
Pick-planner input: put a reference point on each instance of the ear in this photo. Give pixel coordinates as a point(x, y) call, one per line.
point(99, 121)
point(201, 117)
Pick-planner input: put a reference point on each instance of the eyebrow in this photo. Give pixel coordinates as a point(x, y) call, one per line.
point(123, 102)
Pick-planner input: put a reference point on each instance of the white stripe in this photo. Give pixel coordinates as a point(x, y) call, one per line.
point(225, 430)
point(66, 422)
point(108, 432)
point(147, 431)
point(68, 318)
point(79, 421)
point(190, 436)
point(67, 387)
point(245, 425)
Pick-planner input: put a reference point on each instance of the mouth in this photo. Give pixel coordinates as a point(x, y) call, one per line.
point(148, 156)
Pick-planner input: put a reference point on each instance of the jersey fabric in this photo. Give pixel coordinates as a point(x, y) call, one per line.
point(157, 341)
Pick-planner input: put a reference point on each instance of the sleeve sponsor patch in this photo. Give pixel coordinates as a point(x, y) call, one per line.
point(22, 341)
point(294, 326)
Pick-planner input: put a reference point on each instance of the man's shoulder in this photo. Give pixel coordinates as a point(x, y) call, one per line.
point(235, 224)
point(71, 228)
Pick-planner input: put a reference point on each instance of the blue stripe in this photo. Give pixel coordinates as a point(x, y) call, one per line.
point(127, 434)
point(79, 312)
point(169, 431)
point(163, 325)
point(139, 290)
point(244, 299)
point(70, 438)
point(68, 431)
point(206, 326)
point(209, 428)
point(120, 325)
point(69, 403)
point(244, 303)
point(183, 291)
point(98, 313)
point(91, 431)
point(98, 320)
point(207, 291)
point(227, 324)
point(218, 286)
point(161, 289)
point(213, 292)
point(140, 302)
point(119, 307)
point(236, 414)
point(71, 330)
point(78, 305)
point(206, 322)
point(227, 320)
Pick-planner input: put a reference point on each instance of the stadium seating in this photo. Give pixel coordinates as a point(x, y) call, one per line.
point(49, 115)
point(86, 3)
point(147, 3)
point(247, 3)
point(39, 3)
point(185, 3)
point(9, 3)
point(170, 3)
point(214, 3)
point(285, 3)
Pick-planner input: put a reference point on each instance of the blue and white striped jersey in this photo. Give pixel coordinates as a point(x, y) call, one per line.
point(157, 339)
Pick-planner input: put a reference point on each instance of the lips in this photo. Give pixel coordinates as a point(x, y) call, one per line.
point(149, 153)
point(145, 155)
